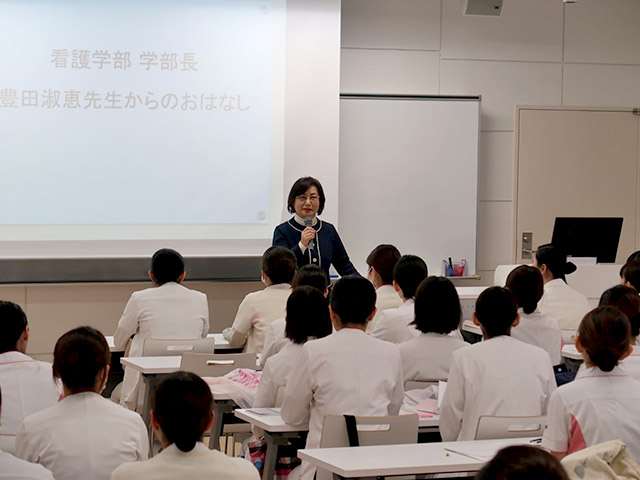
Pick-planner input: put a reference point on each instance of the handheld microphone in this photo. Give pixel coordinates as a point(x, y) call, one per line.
point(308, 221)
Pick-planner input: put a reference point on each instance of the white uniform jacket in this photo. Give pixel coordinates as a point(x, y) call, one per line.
point(347, 372)
point(566, 305)
point(499, 376)
point(12, 468)
point(542, 331)
point(168, 311)
point(84, 436)
point(198, 464)
point(596, 407)
point(27, 387)
point(429, 356)
point(275, 340)
point(386, 298)
point(393, 324)
point(276, 372)
point(631, 364)
point(256, 312)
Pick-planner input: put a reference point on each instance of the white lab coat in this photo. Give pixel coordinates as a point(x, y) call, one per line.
point(275, 340)
point(499, 376)
point(257, 311)
point(386, 298)
point(566, 305)
point(27, 387)
point(84, 436)
point(168, 311)
point(12, 468)
point(347, 372)
point(542, 331)
point(429, 356)
point(198, 464)
point(393, 324)
point(596, 407)
point(631, 364)
point(276, 372)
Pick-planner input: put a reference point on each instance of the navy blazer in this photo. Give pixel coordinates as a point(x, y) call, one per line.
point(328, 249)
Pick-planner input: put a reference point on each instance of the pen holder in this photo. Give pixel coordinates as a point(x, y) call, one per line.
point(455, 269)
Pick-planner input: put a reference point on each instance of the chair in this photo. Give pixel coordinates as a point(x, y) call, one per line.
point(492, 427)
point(216, 364)
point(8, 443)
point(165, 347)
point(383, 430)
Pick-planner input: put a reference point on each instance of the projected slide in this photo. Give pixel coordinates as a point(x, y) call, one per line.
point(136, 113)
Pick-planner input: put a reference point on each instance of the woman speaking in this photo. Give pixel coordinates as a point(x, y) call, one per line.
point(312, 241)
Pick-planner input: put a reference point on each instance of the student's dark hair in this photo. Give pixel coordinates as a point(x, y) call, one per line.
point(496, 309)
point(300, 187)
point(279, 264)
point(183, 407)
point(307, 315)
point(630, 272)
point(353, 299)
point(409, 271)
point(527, 286)
point(627, 300)
point(78, 357)
point(555, 259)
point(384, 258)
point(523, 462)
point(167, 265)
point(634, 256)
point(437, 307)
point(13, 322)
point(311, 275)
point(604, 334)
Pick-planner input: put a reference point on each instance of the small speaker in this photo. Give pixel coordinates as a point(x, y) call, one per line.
point(482, 7)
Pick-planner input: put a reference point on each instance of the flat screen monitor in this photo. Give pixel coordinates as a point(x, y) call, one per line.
point(588, 237)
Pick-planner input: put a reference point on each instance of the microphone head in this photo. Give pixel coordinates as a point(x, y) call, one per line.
point(308, 221)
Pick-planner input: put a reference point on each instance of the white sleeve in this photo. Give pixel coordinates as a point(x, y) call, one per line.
point(128, 324)
point(269, 343)
point(557, 434)
point(296, 406)
point(452, 407)
point(25, 449)
point(382, 330)
point(242, 323)
point(205, 327)
point(143, 440)
point(550, 385)
point(398, 392)
point(267, 390)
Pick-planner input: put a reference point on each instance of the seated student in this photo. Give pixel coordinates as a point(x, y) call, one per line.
point(167, 310)
point(181, 413)
point(347, 372)
point(28, 384)
point(535, 328)
point(603, 402)
point(499, 376)
point(437, 314)
point(381, 262)
point(259, 309)
point(84, 435)
point(307, 319)
point(630, 274)
point(561, 302)
point(626, 300)
point(275, 339)
point(12, 468)
point(523, 462)
point(394, 324)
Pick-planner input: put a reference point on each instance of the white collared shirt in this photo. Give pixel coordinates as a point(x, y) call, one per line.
point(274, 340)
point(563, 303)
point(429, 356)
point(386, 298)
point(84, 436)
point(276, 373)
point(540, 330)
point(631, 364)
point(12, 468)
point(393, 324)
point(596, 407)
point(27, 387)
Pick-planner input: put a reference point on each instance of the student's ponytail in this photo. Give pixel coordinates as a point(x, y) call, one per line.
point(604, 334)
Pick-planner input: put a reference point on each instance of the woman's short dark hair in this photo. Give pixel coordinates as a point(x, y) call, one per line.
point(555, 259)
point(496, 310)
point(527, 286)
point(279, 264)
point(307, 315)
point(311, 275)
point(384, 258)
point(437, 307)
point(353, 299)
point(523, 462)
point(630, 272)
point(13, 323)
point(183, 406)
point(627, 300)
point(634, 256)
point(79, 356)
point(409, 271)
point(167, 265)
point(300, 187)
point(605, 333)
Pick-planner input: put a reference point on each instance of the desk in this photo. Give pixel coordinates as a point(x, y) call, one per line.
point(221, 343)
point(413, 459)
point(571, 352)
point(471, 327)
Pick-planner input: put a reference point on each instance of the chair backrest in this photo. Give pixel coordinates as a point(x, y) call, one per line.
point(490, 427)
point(165, 347)
point(418, 385)
point(216, 364)
point(279, 395)
point(8, 443)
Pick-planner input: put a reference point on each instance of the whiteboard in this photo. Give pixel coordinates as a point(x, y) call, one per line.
point(408, 175)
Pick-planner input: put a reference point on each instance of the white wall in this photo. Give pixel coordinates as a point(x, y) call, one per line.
point(537, 52)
